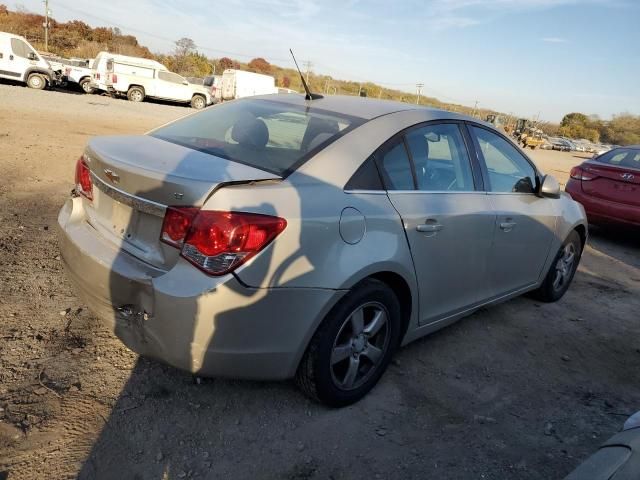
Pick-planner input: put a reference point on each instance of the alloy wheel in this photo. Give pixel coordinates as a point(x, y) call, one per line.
point(564, 266)
point(360, 345)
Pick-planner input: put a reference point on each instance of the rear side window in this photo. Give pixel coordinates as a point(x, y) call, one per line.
point(395, 168)
point(170, 77)
point(274, 136)
point(623, 157)
point(509, 170)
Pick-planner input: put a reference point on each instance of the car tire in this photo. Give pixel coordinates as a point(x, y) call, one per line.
point(352, 347)
point(198, 102)
point(36, 81)
point(85, 84)
point(561, 272)
point(135, 94)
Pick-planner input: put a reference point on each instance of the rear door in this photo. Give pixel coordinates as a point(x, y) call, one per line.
point(616, 176)
point(448, 219)
point(525, 222)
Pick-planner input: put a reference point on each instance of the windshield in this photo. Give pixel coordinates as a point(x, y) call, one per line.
point(273, 136)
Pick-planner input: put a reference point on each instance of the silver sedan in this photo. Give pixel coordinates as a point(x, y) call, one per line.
point(275, 237)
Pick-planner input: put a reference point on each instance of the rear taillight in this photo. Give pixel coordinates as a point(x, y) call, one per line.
point(84, 185)
point(97, 76)
point(114, 78)
point(579, 173)
point(219, 242)
point(176, 225)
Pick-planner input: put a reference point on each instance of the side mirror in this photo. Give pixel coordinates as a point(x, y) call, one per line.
point(32, 56)
point(185, 83)
point(550, 187)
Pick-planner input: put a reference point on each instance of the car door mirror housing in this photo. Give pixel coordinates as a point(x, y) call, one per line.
point(550, 187)
point(32, 56)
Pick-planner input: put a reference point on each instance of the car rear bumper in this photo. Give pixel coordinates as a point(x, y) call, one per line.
point(600, 210)
point(212, 326)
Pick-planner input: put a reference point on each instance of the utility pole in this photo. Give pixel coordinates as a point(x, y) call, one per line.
point(308, 64)
point(418, 91)
point(475, 107)
point(46, 25)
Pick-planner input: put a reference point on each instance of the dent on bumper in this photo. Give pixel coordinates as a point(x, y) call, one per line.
point(212, 326)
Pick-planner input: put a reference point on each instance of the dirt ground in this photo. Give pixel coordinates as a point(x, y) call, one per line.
point(521, 390)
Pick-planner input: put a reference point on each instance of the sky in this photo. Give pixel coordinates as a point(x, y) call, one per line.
point(526, 57)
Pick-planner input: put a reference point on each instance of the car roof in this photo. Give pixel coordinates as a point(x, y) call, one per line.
point(365, 108)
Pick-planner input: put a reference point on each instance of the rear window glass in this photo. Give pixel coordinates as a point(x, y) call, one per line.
point(623, 157)
point(270, 135)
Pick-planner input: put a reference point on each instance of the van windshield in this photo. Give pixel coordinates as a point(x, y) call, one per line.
point(273, 136)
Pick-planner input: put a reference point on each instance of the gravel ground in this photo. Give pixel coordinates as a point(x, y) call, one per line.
point(521, 390)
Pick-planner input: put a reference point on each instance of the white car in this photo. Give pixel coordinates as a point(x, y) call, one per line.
point(20, 62)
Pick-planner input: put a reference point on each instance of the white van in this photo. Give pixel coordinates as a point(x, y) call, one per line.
point(138, 81)
point(239, 84)
point(99, 67)
point(19, 61)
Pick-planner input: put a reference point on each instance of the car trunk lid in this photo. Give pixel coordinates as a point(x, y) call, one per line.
point(614, 183)
point(136, 177)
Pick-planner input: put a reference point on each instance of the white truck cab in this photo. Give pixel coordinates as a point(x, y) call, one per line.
point(19, 61)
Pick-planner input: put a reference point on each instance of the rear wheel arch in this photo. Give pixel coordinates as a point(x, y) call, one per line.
point(401, 288)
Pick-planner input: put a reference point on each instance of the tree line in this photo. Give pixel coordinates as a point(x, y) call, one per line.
point(78, 39)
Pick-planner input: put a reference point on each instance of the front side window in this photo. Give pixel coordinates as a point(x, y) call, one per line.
point(395, 168)
point(623, 157)
point(440, 158)
point(270, 135)
point(509, 170)
point(20, 48)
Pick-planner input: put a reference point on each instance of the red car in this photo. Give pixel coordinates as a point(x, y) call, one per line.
point(608, 186)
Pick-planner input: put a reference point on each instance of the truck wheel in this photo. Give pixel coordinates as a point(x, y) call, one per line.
point(36, 81)
point(135, 94)
point(533, 147)
point(198, 102)
point(85, 84)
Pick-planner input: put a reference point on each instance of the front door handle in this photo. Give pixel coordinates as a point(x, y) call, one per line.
point(429, 227)
point(507, 226)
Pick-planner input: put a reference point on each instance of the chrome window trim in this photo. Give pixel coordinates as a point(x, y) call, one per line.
point(140, 204)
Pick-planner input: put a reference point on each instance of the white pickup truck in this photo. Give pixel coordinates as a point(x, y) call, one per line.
point(139, 80)
point(79, 72)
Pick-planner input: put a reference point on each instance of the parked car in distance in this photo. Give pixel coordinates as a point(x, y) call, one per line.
point(560, 144)
point(600, 149)
point(608, 186)
point(214, 83)
point(99, 68)
point(274, 237)
point(617, 459)
point(20, 62)
point(138, 81)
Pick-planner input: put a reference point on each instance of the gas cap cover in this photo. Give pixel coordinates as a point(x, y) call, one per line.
point(352, 225)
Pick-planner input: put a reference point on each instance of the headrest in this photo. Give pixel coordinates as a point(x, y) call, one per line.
point(250, 132)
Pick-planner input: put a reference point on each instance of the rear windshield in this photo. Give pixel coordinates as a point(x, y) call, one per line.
point(273, 136)
point(623, 157)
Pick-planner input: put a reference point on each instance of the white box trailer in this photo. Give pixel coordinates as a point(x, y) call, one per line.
point(239, 84)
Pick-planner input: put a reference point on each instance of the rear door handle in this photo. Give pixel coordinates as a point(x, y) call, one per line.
point(507, 226)
point(429, 227)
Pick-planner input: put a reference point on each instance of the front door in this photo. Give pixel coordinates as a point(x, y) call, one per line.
point(525, 222)
point(448, 221)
